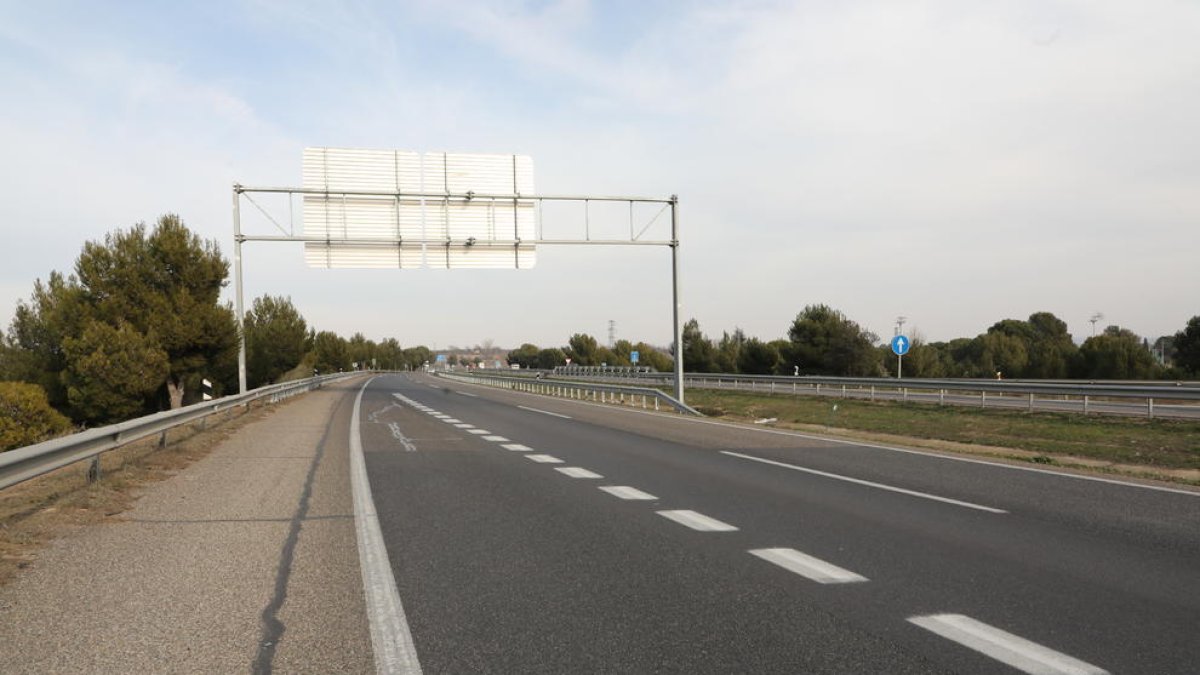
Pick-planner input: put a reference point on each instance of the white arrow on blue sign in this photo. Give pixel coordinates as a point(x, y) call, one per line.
point(633, 357)
point(900, 345)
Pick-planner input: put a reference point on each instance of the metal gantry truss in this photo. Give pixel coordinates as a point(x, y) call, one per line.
point(288, 235)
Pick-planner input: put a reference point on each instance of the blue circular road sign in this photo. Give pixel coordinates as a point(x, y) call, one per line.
point(900, 345)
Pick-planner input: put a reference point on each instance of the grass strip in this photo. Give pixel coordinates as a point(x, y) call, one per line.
point(1156, 443)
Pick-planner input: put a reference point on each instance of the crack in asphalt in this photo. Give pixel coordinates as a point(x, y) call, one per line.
point(272, 628)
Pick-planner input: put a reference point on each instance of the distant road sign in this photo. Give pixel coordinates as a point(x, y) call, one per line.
point(900, 345)
point(441, 358)
point(633, 357)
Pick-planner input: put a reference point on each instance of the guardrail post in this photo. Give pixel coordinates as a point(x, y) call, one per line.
point(941, 397)
point(983, 399)
point(1031, 402)
point(93, 473)
point(1150, 408)
point(843, 391)
point(905, 393)
point(1085, 405)
point(655, 403)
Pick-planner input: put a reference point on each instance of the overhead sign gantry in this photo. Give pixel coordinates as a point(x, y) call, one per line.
point(396, 209)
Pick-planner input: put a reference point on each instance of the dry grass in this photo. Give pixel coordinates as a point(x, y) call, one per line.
point(39, 510)
point(1167, 449)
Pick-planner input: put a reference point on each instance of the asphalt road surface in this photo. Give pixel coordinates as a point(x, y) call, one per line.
point(408, 524)
point(528, 534)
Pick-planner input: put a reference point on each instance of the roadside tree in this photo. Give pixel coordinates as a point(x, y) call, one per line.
point(825, 342)
point(1117, 354)
point(1187, 347)
point(276, 337)
point(111, 372)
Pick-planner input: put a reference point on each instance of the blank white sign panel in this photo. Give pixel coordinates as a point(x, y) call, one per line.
point(398, 231)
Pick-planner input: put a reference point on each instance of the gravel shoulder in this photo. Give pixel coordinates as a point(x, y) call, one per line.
point(246, 561)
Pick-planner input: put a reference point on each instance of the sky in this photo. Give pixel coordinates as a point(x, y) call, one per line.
point(952, 162)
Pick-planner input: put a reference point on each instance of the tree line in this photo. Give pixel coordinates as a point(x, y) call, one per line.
point(823, 341)
point(138, 325)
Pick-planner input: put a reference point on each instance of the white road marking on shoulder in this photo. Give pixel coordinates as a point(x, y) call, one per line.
point(1022, 654)
point(495, 439)
point(516, 447)
point(697, 521)
point(544, 459)
point(479, 432)
point(464, 425)
point(544, 412)
point(807, 566)
point(451, 420)
point(391, 639)
point(859, 481)
point(626, 492)
point(578, 472)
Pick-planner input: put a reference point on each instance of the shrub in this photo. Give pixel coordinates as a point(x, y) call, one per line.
point(26, 416)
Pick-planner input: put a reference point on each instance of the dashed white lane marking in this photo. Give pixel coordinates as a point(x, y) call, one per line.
point(1026, 656)
point(451, 420)
point(464, 425)
point(626, 492)
point(391, 640)
point(467, 394)
point(516, 447)
point(859, 481)
point(544, 412)
point(697, 521)
point(544, 459)
point(479, 432)
point(578, 472)
point(807, 566)
point(495, 439)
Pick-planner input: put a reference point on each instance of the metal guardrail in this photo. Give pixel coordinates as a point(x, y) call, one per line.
point(585, 391)
point(1087, 394)
point(31, 461)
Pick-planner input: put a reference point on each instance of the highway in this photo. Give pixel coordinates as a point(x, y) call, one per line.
point(405, 524)
point(527, 534)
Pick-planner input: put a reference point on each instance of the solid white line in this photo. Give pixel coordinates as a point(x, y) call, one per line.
point(544, 459)
point(516, 447)
point(495, 439)
point(391, 640)
point(544, 412)
point(626, 492)
point(578, 472)
point(859, 481)
point(890, 448)
point(1026, 656)
point(923, 453)
point(479, 432)
point(807, 566)
point(697, 521)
